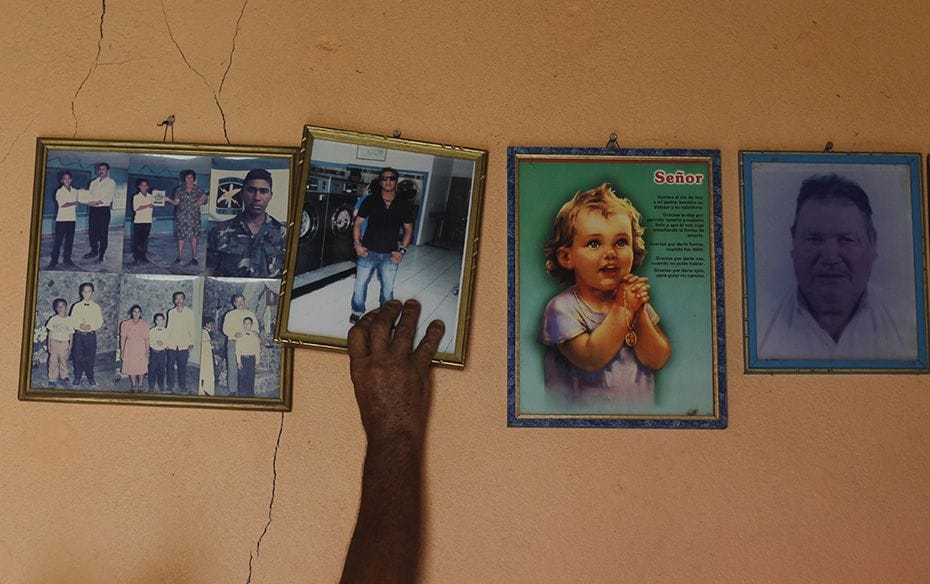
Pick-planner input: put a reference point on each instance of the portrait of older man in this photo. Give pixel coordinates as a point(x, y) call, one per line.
point(102, 193)
point(835, 310)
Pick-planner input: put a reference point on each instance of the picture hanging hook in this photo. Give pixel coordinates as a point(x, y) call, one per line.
point(167, 123)
point(396, 134)
point(612, 141)
point(828, 147)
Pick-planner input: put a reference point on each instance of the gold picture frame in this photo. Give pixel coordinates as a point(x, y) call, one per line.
point(102, 351)
point(441, 189)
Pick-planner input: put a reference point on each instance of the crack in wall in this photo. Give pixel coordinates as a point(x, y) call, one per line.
point(93, 67)
point(215, 91)
point(15, 140)
point(274, 483)
point(233, 49)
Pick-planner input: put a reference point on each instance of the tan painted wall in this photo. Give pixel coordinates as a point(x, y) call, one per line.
point(818, 479)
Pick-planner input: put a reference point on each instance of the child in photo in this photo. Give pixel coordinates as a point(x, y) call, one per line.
point(248, 354)
point(60, 332)
point(142, 204)
point(65, 219)
point(207, 363)
point(158, 358)
point(87, 319)
point(602, 337)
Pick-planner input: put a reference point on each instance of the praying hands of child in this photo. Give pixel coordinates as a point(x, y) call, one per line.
point(632, 294)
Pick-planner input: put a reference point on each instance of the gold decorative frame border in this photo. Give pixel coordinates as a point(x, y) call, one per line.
point(26, 391)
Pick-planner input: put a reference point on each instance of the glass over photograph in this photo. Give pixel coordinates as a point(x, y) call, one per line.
point(119, 303)
point(382, 218)
point(616, 288)
point(834, 262)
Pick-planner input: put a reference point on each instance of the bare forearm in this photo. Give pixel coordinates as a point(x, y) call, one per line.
point(386, 544)
point(408, 235)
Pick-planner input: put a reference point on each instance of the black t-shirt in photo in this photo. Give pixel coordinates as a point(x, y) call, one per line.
point(384, 223)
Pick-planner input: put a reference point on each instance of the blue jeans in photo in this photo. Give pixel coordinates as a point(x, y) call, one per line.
point(366, 267)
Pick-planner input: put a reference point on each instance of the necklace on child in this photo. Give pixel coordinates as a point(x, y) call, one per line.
point(630, 337)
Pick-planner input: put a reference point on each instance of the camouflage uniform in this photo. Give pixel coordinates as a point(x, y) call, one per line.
point(232, 250)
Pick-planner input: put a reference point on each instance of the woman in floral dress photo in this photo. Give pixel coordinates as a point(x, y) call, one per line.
point(187, 200)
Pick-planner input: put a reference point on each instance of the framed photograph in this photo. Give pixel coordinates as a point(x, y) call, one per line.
point(405, 226)
point(834, 262)
point(615, 288)
point(156, 300)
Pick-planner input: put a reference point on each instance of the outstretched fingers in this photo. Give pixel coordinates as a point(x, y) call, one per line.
point(382, 326)
point(406, 327)
point(358, 342)
point(428, 346)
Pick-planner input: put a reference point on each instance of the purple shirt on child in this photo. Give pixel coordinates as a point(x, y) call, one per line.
point(623, 379)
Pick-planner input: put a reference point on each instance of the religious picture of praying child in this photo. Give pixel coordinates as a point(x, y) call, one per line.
point(615, 304)
point(602, 336)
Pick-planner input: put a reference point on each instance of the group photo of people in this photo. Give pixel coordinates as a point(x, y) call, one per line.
point(238, 355)
point(127, 300)
point(168, 335)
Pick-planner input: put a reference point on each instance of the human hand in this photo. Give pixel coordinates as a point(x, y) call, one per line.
point(85, 327)
point(632, 293)
point(391, 379)
point(396, 256)
point(361, 251)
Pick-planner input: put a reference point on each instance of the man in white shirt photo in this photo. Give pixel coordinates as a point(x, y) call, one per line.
point(181, 334)
point(102, 191)
point(232, 328)
point(67, 199)
point(836, 311)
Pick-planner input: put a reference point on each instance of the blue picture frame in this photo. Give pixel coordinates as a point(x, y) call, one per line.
point(882, 296)
point(690, 391)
